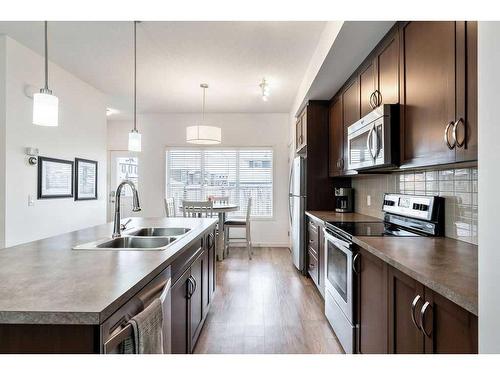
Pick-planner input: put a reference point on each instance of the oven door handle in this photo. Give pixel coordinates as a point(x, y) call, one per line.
point(336, 241)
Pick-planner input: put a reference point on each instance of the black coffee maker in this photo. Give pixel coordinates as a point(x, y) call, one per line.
point(344, 199)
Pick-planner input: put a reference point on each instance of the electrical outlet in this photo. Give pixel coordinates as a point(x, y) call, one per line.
point(31, 201)
point(368, 200)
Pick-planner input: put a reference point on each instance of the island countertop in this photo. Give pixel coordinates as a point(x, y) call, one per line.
point(47, 282)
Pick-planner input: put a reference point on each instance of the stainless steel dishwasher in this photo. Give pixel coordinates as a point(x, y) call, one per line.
point(117, 328)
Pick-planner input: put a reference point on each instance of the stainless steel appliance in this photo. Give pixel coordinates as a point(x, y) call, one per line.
point(297, 203)
point(405, 215)
point(372, 142)
point(344, 199)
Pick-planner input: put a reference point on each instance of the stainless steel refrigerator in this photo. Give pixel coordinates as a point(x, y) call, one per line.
point(297, 205)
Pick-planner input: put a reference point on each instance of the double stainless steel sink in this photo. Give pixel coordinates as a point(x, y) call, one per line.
point(138, 239)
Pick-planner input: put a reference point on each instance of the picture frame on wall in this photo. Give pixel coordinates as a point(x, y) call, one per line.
point(85, 179)
point(55, 178)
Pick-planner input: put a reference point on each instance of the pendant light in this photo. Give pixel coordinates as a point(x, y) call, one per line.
point(45, 105)
point(134, 137)
point(203, 134)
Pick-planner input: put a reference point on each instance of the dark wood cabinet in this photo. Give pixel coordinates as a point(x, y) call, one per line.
point(372, 302)
point(316, 253)
point(423, 321)
point(350, 114)
point(367, 86)
point(386, 63)
point(301, 131)
point(435, 100)
point(449, 329)
point(336, 136)
point(180, 312)
point(192, 294)
point(404, 335)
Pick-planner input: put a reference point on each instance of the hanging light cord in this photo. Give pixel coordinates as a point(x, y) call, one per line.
point(46, 60)
point(135, 76)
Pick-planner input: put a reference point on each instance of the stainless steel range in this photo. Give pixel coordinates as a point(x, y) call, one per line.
point(405, 216)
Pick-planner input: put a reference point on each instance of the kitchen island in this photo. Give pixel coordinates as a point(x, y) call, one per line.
point(48, 288)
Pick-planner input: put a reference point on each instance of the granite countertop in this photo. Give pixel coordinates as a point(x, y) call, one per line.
point(46, 282)
point(337, 216)
point(445, 265)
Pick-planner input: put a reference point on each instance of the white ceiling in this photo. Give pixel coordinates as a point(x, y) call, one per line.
point(175, 57)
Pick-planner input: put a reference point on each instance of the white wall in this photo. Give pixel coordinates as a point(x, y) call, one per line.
point(489, 180)
point(81, 133)
point(162, 130)
point(2, 142)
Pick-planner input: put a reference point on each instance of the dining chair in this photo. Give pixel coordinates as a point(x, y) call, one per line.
point(197, 208)
point(220, 199)
point(170, 207)
point(240, 224)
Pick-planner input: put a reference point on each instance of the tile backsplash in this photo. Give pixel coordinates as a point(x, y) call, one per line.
point(457, 186)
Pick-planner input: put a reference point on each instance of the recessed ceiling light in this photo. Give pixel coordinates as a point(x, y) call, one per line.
point(264, 87)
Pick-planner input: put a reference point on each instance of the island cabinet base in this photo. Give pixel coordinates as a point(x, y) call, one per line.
point(184, 318)
point(49, 339)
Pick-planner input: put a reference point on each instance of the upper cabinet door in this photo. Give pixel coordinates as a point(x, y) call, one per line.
point(433, 92)
point(350, 103)
point(336, 133)
point(367, 89)
point(387, 68)
point(466, 131)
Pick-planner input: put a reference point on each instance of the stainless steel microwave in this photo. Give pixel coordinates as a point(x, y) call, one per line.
point(373, 141)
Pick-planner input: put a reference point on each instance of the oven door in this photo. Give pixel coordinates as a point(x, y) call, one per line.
point(366, 145)
point(339, 280)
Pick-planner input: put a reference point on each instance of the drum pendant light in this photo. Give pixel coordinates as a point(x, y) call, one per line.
point(134, 137)
point(45, 105)
point(203, 134)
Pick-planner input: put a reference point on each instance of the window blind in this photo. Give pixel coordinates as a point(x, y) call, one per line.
point(197, 173)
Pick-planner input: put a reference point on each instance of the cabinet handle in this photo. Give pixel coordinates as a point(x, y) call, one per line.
point(446, 138)
point(195, 284)
point(455, 126)
point(189, 288)
point(378, 97)
point(413, 307)
point(422, 318)
point(354, 260)
point(373, 100)
point(341, 163)
point(210, 240)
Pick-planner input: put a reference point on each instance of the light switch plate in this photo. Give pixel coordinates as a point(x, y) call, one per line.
point(31, 201)
point(368, 200)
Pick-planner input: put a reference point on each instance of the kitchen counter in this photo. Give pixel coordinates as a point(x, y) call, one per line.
point(47, 282)
point(447, 266)
point(337, 216)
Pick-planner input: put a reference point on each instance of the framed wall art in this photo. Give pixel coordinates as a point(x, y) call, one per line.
point(85, 179)
point(55, 178)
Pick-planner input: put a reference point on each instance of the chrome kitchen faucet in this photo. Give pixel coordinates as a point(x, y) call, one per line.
point(136, 205)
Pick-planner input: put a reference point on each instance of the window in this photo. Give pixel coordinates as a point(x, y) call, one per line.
point(127, 170)
point(197, 173)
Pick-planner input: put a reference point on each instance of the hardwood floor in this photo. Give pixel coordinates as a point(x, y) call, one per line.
point(265, 306)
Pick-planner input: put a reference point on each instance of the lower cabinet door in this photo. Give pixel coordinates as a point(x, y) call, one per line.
point(447, 328)
point(180, 313)
point(404, 334)
point(372, 304)
point(205, 288)
point(212, 253)
point(196, 300)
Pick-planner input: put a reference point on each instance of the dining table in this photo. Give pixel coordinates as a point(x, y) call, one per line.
point(221, 209)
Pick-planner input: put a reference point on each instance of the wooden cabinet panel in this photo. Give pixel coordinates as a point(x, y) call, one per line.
point(387, 68)
point(350, 103)
point(312, 266)
point(429, 84)
point(316, 253)
point(301, 131)
point(467, 131)
point(180, 313)
point(449, 328)
point(404, 336)
point(196, 300)
point(336, 138)
point(212, 272)
point(205, 290)
point(367, 88)
point(372, 304)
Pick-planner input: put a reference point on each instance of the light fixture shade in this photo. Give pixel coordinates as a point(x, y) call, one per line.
point(134, 141)
point(45, 109)
point(203, 135)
